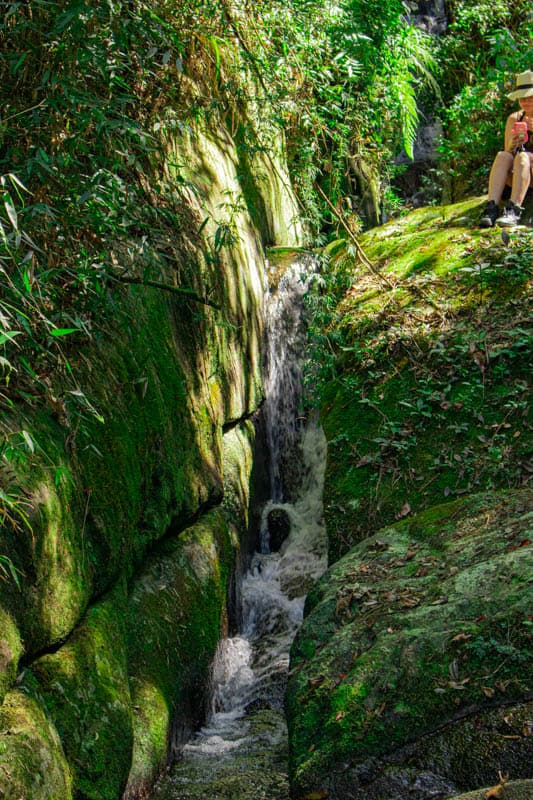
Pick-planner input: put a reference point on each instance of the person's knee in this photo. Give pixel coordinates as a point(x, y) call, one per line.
point(504, 156)
point(522, 159)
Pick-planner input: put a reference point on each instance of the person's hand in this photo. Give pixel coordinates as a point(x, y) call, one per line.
point(517, 139)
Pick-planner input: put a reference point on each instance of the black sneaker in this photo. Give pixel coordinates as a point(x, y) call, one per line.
point(490, 215)
point(511, 216)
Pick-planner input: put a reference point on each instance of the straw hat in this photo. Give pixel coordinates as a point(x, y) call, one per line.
point(524, 86)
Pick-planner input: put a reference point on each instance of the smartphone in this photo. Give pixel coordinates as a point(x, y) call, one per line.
point(521, 127)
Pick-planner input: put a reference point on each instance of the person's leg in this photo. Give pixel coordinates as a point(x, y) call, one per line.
point(499, 177)
point(521, 182)
point(521, 178)
point(501, 168)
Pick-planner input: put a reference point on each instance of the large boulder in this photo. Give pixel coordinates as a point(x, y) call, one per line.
point(409, 675)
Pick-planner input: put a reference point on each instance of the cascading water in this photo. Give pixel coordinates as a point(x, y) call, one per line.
point(241, 751)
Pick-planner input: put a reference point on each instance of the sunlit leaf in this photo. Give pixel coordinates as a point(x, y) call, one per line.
point(11, 211)
point(63, 331)
point(29, 441)
point(8, 336)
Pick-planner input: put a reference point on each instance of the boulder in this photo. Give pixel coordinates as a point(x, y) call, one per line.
point(409, 675)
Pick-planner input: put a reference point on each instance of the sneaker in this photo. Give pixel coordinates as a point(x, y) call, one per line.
point(490, 215)
point(511, 216)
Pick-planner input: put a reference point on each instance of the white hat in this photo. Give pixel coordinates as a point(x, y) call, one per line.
point(524, 86)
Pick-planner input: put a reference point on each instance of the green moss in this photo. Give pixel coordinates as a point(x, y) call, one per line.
point(416, 626)
point(32, 761)
point(86, 691)
point(10, 651)
point(423, 369)
point(175, 618)
point(238, 452)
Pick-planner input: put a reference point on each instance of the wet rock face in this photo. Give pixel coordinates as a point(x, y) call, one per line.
point(408, 677)
point(279, 527)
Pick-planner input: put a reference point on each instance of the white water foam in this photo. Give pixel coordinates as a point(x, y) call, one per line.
point(250, 670)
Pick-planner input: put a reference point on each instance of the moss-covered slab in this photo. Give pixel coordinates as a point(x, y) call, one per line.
point(237, 455)
point(422, 630)
point(132, 446)
point(10, 651)
point(32, 762)
point(85, 688)
point(175, 617)
point(424, 368)
point(512, 790)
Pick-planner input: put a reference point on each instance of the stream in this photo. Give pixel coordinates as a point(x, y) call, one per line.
point(241, 752)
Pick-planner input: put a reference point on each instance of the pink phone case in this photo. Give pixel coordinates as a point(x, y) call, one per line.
point(518, 127)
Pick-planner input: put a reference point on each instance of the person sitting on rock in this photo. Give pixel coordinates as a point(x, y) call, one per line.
point(514, 165)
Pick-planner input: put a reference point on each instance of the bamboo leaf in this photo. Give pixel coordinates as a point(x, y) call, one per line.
point(8, 336)
point(11, 211)
point(29, 441)
point(63, 331)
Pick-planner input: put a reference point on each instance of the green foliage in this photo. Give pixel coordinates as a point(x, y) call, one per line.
point(487, 44)
point(423, 380)
point(89, 91)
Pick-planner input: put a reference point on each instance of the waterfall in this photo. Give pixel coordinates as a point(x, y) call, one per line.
point(282, 373)
point(250, 670)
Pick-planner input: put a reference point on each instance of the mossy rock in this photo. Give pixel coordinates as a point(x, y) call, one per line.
point(10, 651)
point(176, 615)
point(414, 633)
point(514, 790)
point(132, 448)
point(425, 397)
point(32, 762)
point(86, 690)
point(160, 635)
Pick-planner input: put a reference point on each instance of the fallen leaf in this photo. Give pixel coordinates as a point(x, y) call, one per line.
point(458, 685)
point(488, 691)
point(495, 792)
point(462, 637)
point(523, 543)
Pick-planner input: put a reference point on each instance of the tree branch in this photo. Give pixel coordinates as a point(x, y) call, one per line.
point(186, 294)
point(360, 252)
